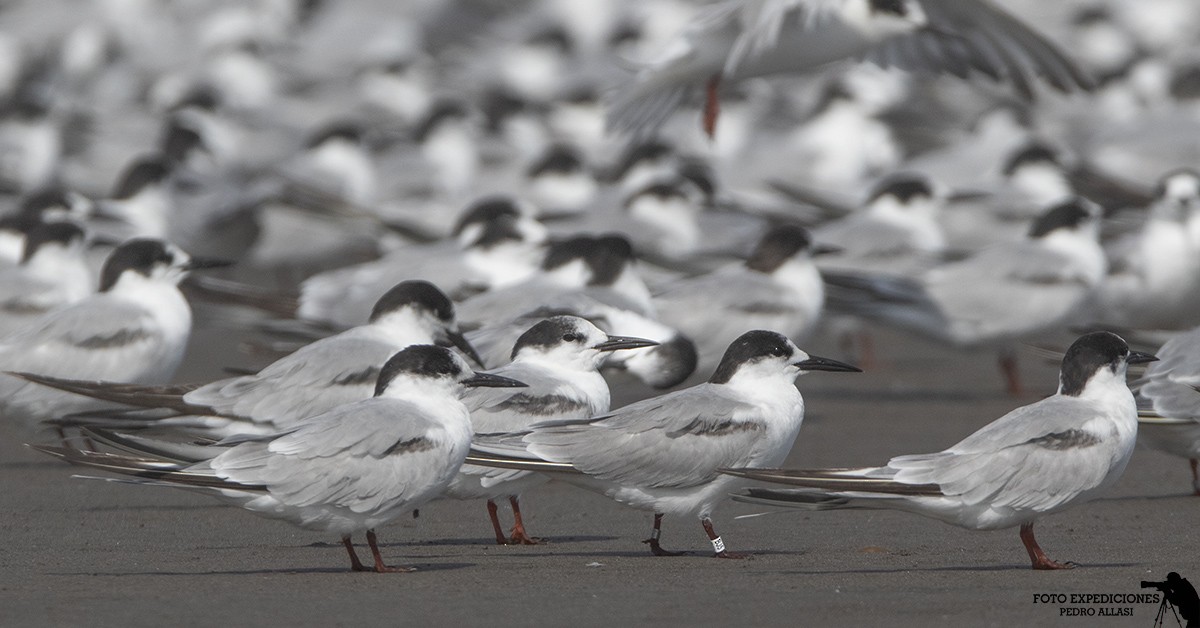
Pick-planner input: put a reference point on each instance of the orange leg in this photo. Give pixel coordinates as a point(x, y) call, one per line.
point(718, 544)
point(355, 563)
point(655, 548)
point(1012, 378)
point(492, 514)
point(1036, 555)
point(379, 566)
point(712, 106)
point(519, 537)
point(1195, 476)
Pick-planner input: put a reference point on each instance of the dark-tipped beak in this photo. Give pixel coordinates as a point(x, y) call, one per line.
point(826, 249)
point(460, 341)
point(616, 343)
point(200, 263)
point(103, 241)
point(1137, 357)
point(487, 380)
point(814, 363)
point(966, 196)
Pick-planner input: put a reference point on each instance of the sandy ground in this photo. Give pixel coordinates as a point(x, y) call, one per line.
point(83, 552)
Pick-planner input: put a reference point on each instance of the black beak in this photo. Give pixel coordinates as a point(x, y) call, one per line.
point(460, 341)
point(814, 363)
point(616, 343)
point(964, 196)
point(103, 241)
point(487, 380)
point(102, 212)
point(825, 249)
point(1137, 357)
point(200, 263)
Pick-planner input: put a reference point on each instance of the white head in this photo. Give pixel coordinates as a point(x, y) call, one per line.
point(760, 354)
point(571, 342)
point(427, 370)
point(419, 309)
point(1095, 360)
point(146, 260)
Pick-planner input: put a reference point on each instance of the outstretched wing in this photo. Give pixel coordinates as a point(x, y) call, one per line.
point(966, 36)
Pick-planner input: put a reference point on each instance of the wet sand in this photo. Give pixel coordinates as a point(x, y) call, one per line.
point(85, 552)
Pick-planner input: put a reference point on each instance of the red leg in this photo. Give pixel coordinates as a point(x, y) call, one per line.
point(1195, 476)
point(379, 566)
point(1036, 555)
point(712, 106)
point(500, 538)
point(655, 548)
point(718, 544)
point(866, 350)
point(355, 564)
point(518, 532)
point(1012, 379)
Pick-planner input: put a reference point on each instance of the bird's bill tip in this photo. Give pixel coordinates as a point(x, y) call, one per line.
point(200, 263)
point(826, 249)
point(1138, 357)
point(816, 363)
point(460, 341)
point(616, 343)
point(488, 380)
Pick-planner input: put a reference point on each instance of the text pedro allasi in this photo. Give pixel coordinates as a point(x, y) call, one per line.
point(1096, 604)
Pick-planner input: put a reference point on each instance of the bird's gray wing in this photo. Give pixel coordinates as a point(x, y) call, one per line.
point(677, 440)
point(545, 397)
point(358, 457)
point(108, 338)
point(1171, 386)
point(976, 295)
point(860, 237)
point(314, 379)
point(965, 36)
point(1037, 457)
point(762, 21)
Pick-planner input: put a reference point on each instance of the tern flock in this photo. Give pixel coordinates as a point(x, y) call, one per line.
point(681, 192)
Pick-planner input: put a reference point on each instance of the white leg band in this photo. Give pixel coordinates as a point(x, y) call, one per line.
point(718, 545)
point(654, 534)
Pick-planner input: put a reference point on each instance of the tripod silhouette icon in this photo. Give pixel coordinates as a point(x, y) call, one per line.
point(1162, 613)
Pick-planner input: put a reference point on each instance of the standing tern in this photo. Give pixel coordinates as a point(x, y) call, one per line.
point(1034, 461)
point(558, 359)
point(315, 379)
point(347, 471)
point(664, 454)
point(1169, 402)
point(134, 329)
point(53, 272)
point(778, 287)
point(1001, 294)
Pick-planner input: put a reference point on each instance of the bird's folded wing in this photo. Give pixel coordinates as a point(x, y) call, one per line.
point(867, 480)
point(315, 379)
point(679, 440)
point(107, 337)
point(360, 457)
point(146, 468)
point(140, 395)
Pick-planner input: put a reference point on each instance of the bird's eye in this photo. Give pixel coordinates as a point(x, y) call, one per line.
point(572, 337)
point(779, 351)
